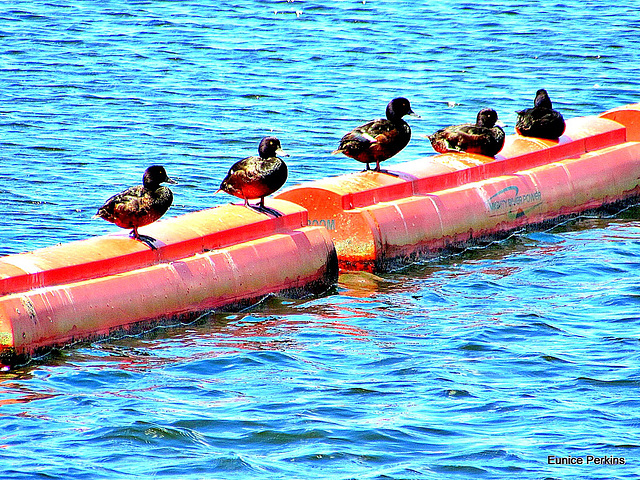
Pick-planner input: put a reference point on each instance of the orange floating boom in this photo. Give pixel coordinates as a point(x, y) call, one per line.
point(222, 257)
point(231, 256)
point(377, 220)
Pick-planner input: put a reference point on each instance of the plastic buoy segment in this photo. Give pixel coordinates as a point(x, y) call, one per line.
point(629, 116)
point(176, 237)
point(225, 257)
point(230, 256)
point(419, 207)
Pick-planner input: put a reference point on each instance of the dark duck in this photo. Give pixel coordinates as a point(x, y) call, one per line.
point(379, 139)
point(541, 121)
point(256, 177)
point(483, 137)
point(140, 205)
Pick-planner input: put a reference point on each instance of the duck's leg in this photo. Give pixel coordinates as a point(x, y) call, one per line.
point(146, 239)
point(377, 169)
point(260, 207)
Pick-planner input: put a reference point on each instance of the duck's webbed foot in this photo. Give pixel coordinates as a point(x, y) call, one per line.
point(260, 207)
point(149, 241)
point(146, 239)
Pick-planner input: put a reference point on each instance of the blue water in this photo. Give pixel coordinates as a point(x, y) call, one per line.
point(475, 365)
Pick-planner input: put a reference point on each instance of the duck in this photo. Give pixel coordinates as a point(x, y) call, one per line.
point(483, 137)
point(140, 205)
point(381, 139)
point(257, 177)
point(541, 121)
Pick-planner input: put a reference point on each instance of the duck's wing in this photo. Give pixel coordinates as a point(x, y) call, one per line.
point(362, 137)
point(468, 138)
point(249, 171)
point(455, 138)
point(255, 177)
point(540, 122)
point(246, 170)
point(378, 137)
point(128, 199)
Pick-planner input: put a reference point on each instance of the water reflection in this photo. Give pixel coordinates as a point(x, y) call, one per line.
point(15, 388)
point(363, 284)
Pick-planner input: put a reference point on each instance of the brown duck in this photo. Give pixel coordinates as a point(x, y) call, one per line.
point(541, 121)
point(483, 137)
point(380, 139)
point(140, 205)
point(256, 177)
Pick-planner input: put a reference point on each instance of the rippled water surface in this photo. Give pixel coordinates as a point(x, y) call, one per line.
point(477, 365)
